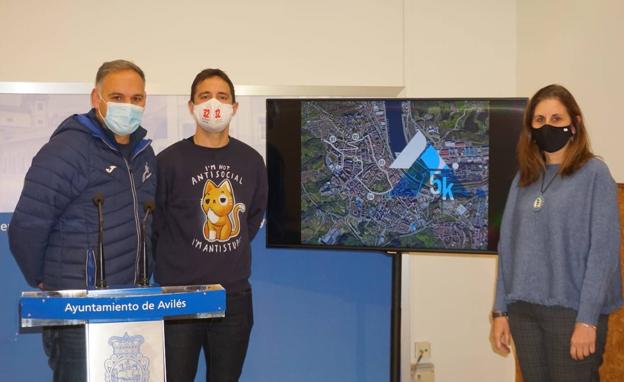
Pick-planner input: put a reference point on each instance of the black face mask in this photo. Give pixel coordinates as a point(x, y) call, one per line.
point(550, 138)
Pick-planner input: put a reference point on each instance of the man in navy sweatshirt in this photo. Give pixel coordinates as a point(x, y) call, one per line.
point(211, 197)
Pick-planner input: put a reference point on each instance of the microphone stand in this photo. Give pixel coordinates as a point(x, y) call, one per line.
point(100, 275)
point(143, 279)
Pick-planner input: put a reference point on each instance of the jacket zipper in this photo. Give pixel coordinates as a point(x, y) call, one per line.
point(136, 217)
point(135, 201)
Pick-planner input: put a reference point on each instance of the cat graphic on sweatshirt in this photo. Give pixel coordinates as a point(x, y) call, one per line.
point(221, 210)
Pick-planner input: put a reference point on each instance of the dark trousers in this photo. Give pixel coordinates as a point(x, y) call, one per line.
point(542, 336)
point(224, 341)
point(66, 350)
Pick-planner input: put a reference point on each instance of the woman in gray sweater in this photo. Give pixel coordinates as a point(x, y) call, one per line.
point(558, 266)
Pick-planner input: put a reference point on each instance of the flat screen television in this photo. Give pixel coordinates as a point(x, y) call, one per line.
point(400, 175)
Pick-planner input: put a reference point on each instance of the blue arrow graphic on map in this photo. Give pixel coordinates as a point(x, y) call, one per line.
point(420, 159)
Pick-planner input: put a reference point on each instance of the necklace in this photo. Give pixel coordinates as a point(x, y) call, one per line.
point(538, 203)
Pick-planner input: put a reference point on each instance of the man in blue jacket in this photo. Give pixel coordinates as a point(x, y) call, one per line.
point(53, 234)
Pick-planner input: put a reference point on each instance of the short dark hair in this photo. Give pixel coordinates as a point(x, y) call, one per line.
point(209, 73)
point(117, 66)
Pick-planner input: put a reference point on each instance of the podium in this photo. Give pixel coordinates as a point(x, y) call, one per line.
point(124, 328)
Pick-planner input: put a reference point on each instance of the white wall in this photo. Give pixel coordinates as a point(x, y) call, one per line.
point(458, 48)
point(269, 42)
point(579, 44)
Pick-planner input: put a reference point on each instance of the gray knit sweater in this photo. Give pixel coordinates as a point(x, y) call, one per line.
point(566, 253)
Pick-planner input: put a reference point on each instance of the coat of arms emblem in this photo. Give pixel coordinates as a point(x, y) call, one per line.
point(127, 364)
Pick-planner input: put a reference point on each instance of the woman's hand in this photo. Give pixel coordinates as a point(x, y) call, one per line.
point(583, 341)
point(501, 335)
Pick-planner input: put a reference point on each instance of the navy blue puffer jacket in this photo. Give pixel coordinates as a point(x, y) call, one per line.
point(54, 230)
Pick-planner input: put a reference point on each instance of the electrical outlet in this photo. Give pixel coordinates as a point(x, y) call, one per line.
point(422, 350)
point(423, 372)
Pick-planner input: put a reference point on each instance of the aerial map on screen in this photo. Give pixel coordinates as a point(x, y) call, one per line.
point(395, 173)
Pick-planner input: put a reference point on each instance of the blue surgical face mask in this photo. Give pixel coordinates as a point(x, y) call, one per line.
point(122, 118)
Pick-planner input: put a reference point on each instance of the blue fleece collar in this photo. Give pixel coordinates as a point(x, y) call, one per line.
point(86, 121)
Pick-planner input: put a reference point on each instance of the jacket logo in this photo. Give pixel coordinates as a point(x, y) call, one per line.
point(147, 173)
point(110, 169)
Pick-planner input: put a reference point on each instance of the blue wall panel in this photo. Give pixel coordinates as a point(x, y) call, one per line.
point(319, 316)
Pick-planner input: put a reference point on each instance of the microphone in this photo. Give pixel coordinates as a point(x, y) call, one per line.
point(143, 279)
point(100, 277)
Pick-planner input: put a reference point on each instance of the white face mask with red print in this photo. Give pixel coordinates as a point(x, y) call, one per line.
point(212, 115)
